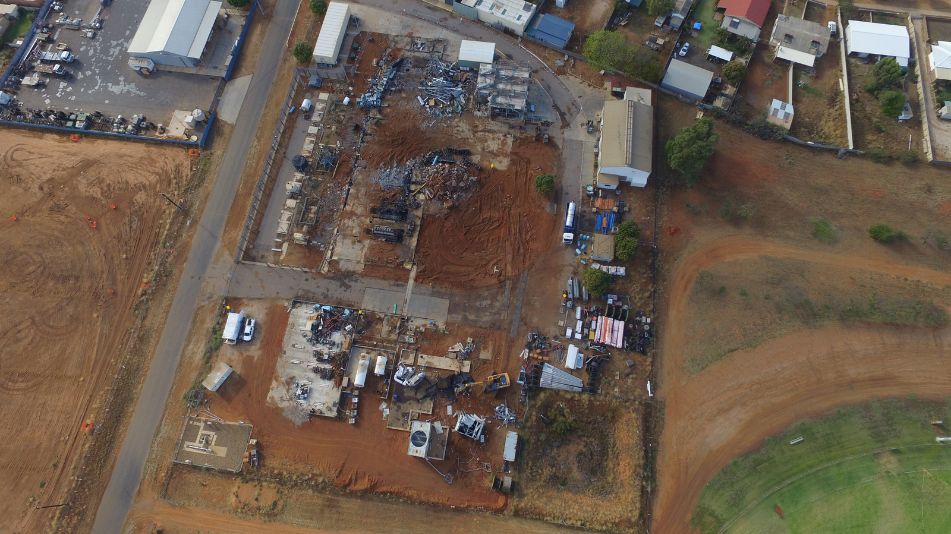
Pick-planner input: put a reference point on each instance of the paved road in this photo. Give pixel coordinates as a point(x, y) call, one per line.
point(149, 409)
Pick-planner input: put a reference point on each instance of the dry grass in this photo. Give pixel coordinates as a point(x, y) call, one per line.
point(581, 465)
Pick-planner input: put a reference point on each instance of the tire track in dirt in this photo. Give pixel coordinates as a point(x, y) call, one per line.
point(733, 405)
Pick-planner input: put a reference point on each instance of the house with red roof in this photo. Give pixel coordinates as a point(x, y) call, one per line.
point(744, 18)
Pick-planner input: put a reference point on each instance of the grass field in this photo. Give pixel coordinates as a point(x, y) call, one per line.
point(868, 468)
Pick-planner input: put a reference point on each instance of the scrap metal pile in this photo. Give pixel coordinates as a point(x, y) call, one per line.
point(448, 175)
point(373, 97)
point(442, 92)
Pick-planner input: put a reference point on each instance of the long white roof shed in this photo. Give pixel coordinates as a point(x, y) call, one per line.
point(878, 39)
point(332, 32)
point(476, 52)
point(175, 28)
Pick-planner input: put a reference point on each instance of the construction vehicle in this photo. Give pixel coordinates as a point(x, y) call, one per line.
point(55, 69)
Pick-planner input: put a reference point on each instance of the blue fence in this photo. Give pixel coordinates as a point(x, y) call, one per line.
point(27, 39)
point(236, 52)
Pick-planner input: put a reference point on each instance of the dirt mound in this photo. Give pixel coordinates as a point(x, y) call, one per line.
point(80, 222)
point(399, 138)
point(497, 233)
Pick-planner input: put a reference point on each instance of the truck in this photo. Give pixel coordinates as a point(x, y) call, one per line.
point(52, 56)
point(568, 237)
point(34, 80)
point(55, 69)
point(234, 327)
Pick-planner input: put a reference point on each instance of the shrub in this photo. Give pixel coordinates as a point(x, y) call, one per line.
point(908, 157)
point(625, 243)
point(597, 281)
point(239, 3)
point(688, 152)
point(879, 155)
point(659, 7)
point(887, 75)
point(319, 7)
point(885, 234)
point(823, 230)
point(734, 71)
point(545, 184)
point(891, 103)
point(302, 52)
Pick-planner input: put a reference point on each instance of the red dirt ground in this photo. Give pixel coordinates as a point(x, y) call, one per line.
point(362, 457)
point(497, 233)
point(731, 406)
point(80, 223)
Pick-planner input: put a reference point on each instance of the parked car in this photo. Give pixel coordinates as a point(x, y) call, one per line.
point(684, 49)
point(248, 330)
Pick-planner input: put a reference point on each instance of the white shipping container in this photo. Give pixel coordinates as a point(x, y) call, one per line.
point(332, 32)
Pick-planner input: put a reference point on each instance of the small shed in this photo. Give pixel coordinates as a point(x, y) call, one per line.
point(511, 443)
point(945, 112)
point(217, 376)
point(687, 80)
point(602, 247)
point(720, 53)
point(474, 53)
point(552, 30)
point(780, 113)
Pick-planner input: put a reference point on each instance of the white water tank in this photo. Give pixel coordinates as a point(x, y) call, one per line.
point(199, 115)
point(346, 100)
point(306, 105)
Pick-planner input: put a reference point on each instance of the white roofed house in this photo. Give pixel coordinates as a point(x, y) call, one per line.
point(939, 60)
point(866, 39)
point(175, 32)
point(626, 147)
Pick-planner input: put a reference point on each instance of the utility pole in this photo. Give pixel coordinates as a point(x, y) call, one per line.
point(176, 204)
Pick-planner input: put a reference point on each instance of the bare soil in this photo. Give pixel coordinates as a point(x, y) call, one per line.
point(589, 16)
point(870, 127)
point(80, 229)
point(764, 81)
point(797, 373)
point(497, 233)
point(820, 102)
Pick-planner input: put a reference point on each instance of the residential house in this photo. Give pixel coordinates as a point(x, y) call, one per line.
point(799, 41)
point(865, 39)
point(940, 60)
point(744, 18)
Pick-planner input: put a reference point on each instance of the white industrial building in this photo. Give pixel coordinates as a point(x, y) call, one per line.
point(625, 151)
point(873, 39)
point(513, 15)
point(332, 32)
point(175, 32)
point(940, 60)
point(474, 53)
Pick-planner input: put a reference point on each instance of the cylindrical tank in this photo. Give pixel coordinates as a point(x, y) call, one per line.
point(360, 379)
point(346, 100)
point(380, 369)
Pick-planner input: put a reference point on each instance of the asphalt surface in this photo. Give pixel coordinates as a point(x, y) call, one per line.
point(127, 472)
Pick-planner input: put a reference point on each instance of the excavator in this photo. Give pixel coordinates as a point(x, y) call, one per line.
point(491, 383)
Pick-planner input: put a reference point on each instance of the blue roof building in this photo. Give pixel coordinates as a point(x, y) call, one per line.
point(552, 30)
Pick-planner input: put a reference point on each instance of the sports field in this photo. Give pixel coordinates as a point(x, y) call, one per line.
point(869, 468)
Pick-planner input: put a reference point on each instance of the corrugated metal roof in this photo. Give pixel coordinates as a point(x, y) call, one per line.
point(627, 134)
point(477, 51)
point(878, 39)
point(720, 52)
point(684, 77)
point(791, 54)
point(511, 442)
point(555, 378)
point(553, 30)
point(334, 25)
point(752, 10)
point(180, 27)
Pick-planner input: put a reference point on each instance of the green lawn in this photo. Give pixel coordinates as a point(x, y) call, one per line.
point(869, 468)
point(704, 13)
point(19, 28)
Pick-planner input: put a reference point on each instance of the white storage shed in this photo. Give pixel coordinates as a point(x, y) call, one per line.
point(217, 376)
point(511, 444)
point(332, 32)
point(233, 325)
point(474, 53)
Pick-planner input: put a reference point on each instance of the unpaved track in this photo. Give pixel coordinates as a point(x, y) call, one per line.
point(733, 405)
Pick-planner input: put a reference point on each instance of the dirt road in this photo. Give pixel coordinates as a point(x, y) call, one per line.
point(734, 404)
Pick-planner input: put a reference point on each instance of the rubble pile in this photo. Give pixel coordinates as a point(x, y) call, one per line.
point(373, 97)
point(442, 92)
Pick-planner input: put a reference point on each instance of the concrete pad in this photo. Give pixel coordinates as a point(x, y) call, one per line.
point(232, 98)
point(383, 300)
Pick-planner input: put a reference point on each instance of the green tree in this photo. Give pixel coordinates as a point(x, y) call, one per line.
point(629, 230)
point(887, 74)
point(302, 51)
point(625, 242)
point(734, 71)
point(847, 8)
point(885, 234)
point(891, 102)
point(545, 184)
point(239, 3)
point(659, 7)
point(688, 152)
point(597, 281)
point(608, 50)
point(318, 6)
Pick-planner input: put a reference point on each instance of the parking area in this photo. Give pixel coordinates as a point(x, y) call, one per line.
point(99, 78)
